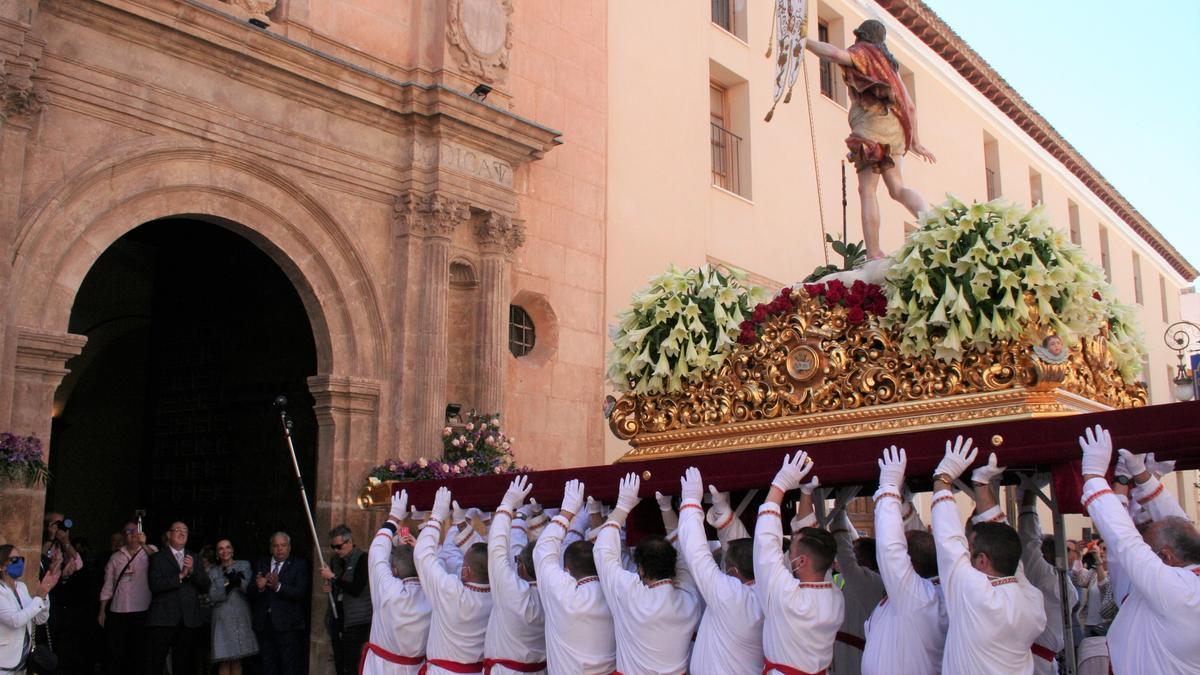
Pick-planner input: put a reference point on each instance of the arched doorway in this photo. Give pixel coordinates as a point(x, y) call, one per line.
point(192, 331)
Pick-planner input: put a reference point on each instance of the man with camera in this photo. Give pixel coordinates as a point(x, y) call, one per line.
point(346, 578)
point(70, 617)
point(177, 580)
point(125, 602)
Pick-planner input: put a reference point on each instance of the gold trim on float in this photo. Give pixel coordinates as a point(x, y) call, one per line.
point(943, 413)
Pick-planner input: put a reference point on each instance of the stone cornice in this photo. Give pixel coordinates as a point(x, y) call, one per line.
point(22, 88)
point(430, 215)
point(45, 353)
point(208, 37)
point(500, 233)
point(930, 29)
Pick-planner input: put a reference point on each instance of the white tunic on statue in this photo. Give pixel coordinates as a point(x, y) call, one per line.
point(579, 625)
point(400, 619)
point(460, 611)
point(516, 630)
point(729, 641)
point(993, 622)
point(1158, 628)
point(906, 632)
point(654, 622)
point(862, 591)
point(1045, 578)
point(801, 620)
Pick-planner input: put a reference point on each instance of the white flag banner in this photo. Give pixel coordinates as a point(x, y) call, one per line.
point(791, 30)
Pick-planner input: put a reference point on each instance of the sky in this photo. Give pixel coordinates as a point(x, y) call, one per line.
point(1119, 80)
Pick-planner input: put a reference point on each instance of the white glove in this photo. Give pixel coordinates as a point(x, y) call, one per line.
point(572, 496)
point(811, 486)
point(720, 511)
point(959, 456)
point(518, 490)
point(1097, 450)
point(415, 515)
point(793, 471)
point(1158, 468)
point(988, 472)
point(593, 506)
point(627, 493)
point(1134, 463)
point(399, 506)
point(891, 467)
point(460, 515)
point(664, 501)
point(441, 505)
point(691, 486)
point(535, 509)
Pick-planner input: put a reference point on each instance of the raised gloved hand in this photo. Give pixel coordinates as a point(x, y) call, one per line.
point(891, 467)
point(1097, 450)
point(664, 501)
point(572, 500)
point(441, 504)
point(691, 485)
point(399, 506)
point(517, 491)
point(811, 486)
point(959, 456)
point(719, 514)
point(627, 493)
point(988, 472)
point(593, 506)
point(1158, 468)
point(795, 468)
point(1135, 464)
point(460, 514)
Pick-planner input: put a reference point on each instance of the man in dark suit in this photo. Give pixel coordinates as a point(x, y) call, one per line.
point(278, 593)
point(177, 580)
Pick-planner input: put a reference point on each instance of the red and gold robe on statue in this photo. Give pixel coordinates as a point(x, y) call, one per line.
point(880, 110)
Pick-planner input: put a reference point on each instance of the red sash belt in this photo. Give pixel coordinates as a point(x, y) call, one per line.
point(852, 640)
point(1043, 652)
point(387, 656)
point(786, 670)
point(452, 666)
point(518, 666)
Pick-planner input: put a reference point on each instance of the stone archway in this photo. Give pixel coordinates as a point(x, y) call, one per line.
point(63, 234)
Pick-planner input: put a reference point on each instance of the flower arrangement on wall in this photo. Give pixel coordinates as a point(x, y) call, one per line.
point(961, 282)
point(680, 325)
point(21, 460)
point(478, 447)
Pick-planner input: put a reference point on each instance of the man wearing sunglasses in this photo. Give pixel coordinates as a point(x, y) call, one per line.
point(346, 578)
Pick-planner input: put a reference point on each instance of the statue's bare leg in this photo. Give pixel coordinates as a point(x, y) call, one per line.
point(893, 178)
point(868, 183)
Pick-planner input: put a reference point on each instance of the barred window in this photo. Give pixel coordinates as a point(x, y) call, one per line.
point(521, 336)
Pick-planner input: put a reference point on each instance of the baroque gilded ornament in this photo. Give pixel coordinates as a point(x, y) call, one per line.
point(481, 33)
point(813, 374)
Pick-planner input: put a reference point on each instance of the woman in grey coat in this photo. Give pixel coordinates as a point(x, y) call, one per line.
point(232, 633)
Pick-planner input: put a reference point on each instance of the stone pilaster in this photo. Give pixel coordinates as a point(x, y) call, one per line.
point(499, 236)
point(433, 219)
point(41, 358)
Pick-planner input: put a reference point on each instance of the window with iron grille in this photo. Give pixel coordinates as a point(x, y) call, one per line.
point(826, 64)
point(521, 335)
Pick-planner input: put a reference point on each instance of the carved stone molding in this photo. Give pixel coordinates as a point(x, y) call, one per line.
point(43, 354)
point(344, 395)
point(499, 232)
point(22, 88)
point(255, 9)
point(431, 215)
point(481, 33)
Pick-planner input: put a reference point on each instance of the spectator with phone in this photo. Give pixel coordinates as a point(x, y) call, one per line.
point(346, 578)
point(125, 602)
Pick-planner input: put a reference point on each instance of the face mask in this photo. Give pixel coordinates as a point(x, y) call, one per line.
point(15, 570)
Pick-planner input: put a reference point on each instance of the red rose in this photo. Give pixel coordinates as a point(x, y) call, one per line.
point(1096, 295)
point(814, 290)
point(834, 294)
point(759, 314)
point(854, 299)
point(855, 315)
point(747, 337)
point(859, 286)
point(786, 291)
point(746, 325)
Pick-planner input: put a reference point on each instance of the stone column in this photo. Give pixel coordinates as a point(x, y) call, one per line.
point(347, 412)
point(41, 357)
point(433, 218)
point(498, 236)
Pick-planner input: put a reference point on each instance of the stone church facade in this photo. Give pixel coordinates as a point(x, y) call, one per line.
point(341, 139)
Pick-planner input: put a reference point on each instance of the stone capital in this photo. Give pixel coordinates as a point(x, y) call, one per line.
point(44, 355)
point(429, 215)
point(500, 233)
point(22, 88)
point(345, 395)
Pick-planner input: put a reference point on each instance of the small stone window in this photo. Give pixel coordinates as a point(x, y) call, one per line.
point(521, 336)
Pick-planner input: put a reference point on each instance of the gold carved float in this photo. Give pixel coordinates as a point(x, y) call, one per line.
point(813, 376)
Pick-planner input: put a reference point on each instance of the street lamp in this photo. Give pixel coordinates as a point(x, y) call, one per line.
point(1180, 336)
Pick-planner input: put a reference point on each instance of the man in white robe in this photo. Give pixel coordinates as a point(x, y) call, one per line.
point(516, 634)
point(400, 620)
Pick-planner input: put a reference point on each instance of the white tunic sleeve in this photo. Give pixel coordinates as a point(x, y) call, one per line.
point(902, 582)
point(1158, 500)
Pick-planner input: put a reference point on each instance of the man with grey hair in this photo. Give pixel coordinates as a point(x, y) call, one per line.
point(345, 577)
point(280, 587)
point(1155, 631)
